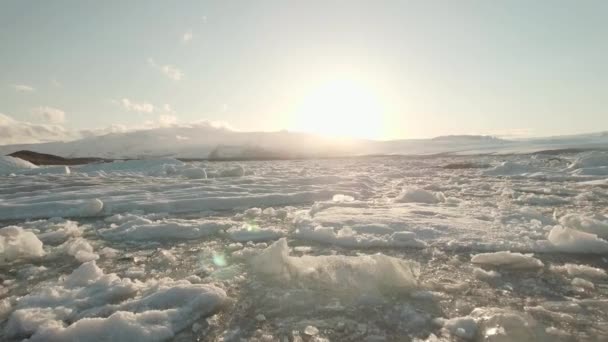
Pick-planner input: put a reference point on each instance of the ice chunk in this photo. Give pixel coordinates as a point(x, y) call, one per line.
point(419, 196)
point(482, 274)
point(84, 275)
point(248, 232)
point(57, 233)
point(237, 171)
point(80, 249)
point(16, 243)
point(568, 240)
point(534, 199)
point(463, 327)
point(590, 159)
point(194, 173)
point(581, 271)
point(342, 198)
point(586, 284)
point(10, 165)
point(153, 167)
point(65, 208)
point(343, 274)
point(139, 228)
point(509, 168)
point(347, 237)
point(120, 326)
point(502, 325)
point(508, 260)
point(106, 307)
point(597, 225)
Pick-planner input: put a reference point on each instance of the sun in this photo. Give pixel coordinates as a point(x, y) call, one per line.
point(340, 108)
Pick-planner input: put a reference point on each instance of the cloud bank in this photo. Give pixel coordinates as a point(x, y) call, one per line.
point(21, 132)
point(50, 114)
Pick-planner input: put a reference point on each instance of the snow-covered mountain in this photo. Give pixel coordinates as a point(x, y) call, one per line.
point(204, 141)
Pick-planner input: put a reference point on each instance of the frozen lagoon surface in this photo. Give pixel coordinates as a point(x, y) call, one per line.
point(485, 248)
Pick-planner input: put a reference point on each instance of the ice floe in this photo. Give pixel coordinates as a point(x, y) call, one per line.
point(507, 260)
point(10, 165)
point(569, 240)
point(344, 274)
point(16, 243)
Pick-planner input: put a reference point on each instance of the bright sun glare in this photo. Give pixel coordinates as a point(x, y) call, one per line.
point(340, 108)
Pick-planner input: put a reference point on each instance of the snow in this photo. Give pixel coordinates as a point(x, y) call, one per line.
point(362, 274)
point(507, 260)
point(16, 243)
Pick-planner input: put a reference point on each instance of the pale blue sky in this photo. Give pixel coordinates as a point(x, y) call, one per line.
point(435, 67)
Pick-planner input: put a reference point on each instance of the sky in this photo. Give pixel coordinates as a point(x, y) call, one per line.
point(374, 69)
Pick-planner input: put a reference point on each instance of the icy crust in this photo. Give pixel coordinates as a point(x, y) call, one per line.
point(89, 303)
point(343, 274)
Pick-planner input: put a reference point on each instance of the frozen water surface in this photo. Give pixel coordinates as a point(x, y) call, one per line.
point(486, 248)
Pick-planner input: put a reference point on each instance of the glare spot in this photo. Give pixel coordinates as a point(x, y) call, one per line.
point(251, 226)
point(219, 260)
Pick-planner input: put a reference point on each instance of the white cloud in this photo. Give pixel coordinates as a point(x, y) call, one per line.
point(20, 132)
point(168, 70)
point(167, 120)
point(168, 109)
point(140, 107)
point(50, 114)
point(187, 37)
point(23, 88)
